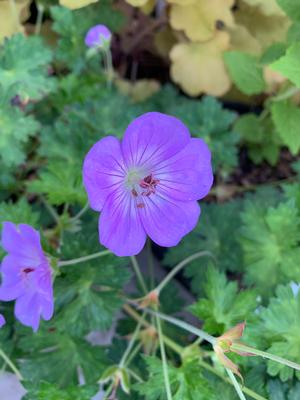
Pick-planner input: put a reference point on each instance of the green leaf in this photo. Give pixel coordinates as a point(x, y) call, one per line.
point(48, 391)
point(56, 356)
point(245, 71)
point(272, 53)
point(223, 306)
point(269, 238)
point(16, 128)
point(286, 117)
point(281, 321)
point(208, 120)
point(90, 298)
point(289, 64)
point(187, 382)
point(213, 233)
point(260, 137)
point(61, 183)
point(291, 8)
point(19, 213)
point(292, 192)
point(24, 65)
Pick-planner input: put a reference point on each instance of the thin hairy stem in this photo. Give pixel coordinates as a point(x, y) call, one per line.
point(83, 259)
point(179, 266)
point(164, 359)
point(236, 384)
point(12, 366)
point(39, 19)
point(246, 390)
point(184, 325)
point(131, 342)
point(150, 263)
point(138, 274)
point(81, 212)
point(264, 354)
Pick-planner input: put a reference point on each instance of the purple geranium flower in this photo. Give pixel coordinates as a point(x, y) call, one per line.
point(98, 36)
point(26, 274)
point(147, 184)
point(2, 320)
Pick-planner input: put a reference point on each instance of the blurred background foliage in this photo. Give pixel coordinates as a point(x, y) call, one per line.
point(228, 69)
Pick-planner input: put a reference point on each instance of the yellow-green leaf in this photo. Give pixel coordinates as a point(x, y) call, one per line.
point(199, 67)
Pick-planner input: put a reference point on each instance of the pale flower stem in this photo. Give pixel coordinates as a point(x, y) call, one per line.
point(50, 209)
point(39, 19)
point(108, 66)
point(81, 212)
point(236, 384)
point(138, 274)
point(12, 366)
point(184, 325)
point(164, 359)
point(253, 351)
point(150, 263)
point(108, 391)
point(179, 266)
point(131, 342)
point(246, 390)
point(83, 259)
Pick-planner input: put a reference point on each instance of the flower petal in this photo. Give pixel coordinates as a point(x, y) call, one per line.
point(153, 137)
point(27, 310)
point(120, 227)
point(103, 170)
point(166, 220)
point(187, 175)
point(22, 240)
point(2, 320)
point(12, 285)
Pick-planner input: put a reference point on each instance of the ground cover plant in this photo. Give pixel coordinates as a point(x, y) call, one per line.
point(150, 199)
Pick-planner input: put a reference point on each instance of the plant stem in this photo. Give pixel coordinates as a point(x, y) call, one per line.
point(81, 212)
point(138, 273)
point(150, 263)
point(39, 19)
point(108, 391)
point(164, 359)
point(83, 259)
point(50, 209)
point(133, 354)
point(11, 365)
point(179, 266)
point(131, 342)
point(109, 67)
point(236, 384)
point(246, 390)
point(184, 325)
point(280, 360)
point(286, 95)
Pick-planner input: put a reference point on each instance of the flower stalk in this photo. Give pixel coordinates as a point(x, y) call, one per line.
point(83, 259)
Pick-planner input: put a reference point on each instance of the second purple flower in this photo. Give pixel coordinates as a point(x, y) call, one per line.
point(148, 184)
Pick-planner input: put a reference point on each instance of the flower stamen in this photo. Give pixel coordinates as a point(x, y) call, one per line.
point(149, 183)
